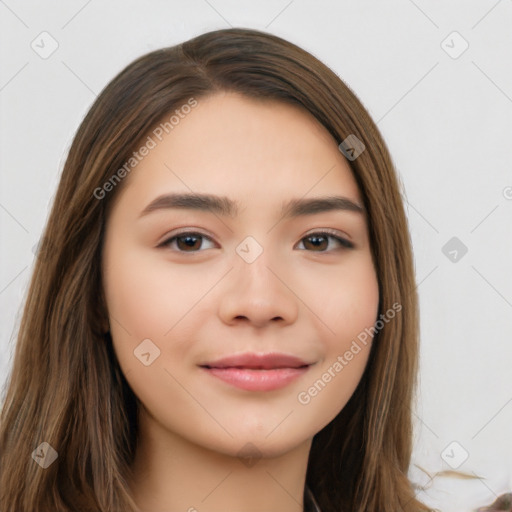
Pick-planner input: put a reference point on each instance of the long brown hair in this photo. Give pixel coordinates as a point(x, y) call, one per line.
point(66, 388)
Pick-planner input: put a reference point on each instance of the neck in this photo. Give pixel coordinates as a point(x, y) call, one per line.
point(172, 474)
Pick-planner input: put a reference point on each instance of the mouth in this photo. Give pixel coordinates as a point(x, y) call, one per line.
point(257, 372)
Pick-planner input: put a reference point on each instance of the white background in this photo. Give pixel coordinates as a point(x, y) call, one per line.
point(448, 124)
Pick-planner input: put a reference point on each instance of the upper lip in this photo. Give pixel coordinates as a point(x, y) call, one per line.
point(257, 361)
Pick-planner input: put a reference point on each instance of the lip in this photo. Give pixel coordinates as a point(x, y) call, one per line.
point(257, 372)
point(268, 361)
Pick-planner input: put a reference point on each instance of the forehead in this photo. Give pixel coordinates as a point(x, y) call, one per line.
point(244, 147)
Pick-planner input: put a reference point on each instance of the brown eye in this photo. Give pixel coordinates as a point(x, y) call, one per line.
point(316, 242)
point(186, 242)
point(319, 242)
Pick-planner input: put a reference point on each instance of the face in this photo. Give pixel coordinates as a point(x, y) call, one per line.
point(234, 319)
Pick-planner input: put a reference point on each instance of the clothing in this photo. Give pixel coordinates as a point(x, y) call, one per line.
point(310, 504)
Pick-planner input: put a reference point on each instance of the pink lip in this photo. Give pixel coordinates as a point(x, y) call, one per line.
point(257, 372)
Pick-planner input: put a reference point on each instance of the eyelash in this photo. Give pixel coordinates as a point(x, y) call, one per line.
point(345, 244)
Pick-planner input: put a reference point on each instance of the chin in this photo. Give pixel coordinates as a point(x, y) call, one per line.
point(252, 446)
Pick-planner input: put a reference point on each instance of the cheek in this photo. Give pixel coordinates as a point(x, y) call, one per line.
point(346, 313)
point(148, 297)
point(149, 300)
point(343, 299)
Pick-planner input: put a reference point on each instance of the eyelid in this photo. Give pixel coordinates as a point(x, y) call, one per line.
point(184, 231)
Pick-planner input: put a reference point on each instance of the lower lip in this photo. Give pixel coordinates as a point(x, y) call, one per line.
point(257, 380)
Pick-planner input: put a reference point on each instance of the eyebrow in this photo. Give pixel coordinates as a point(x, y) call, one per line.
point(226, 207)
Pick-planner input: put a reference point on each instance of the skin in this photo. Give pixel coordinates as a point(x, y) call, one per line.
point(204, 303)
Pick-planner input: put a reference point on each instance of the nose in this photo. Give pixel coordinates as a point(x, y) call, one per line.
point(257, 294)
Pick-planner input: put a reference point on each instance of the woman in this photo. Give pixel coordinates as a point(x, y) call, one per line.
point(223, 313)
